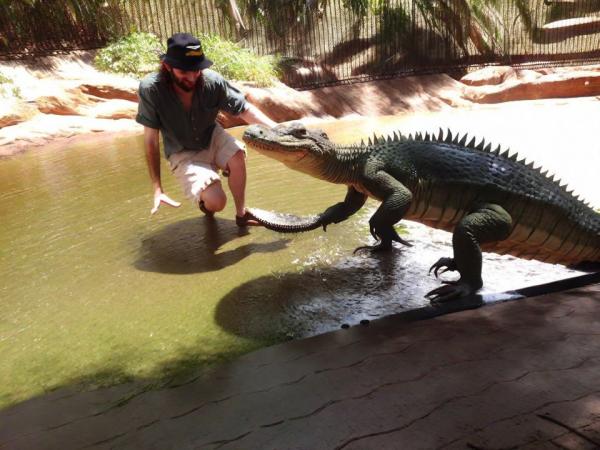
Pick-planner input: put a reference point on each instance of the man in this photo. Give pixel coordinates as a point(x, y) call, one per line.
point(181, 101)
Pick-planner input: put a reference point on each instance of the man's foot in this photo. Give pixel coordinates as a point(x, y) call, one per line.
point(207, 212)
point(247, 220)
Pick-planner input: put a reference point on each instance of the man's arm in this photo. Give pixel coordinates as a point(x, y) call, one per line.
point(153, 159)
point(254, 115)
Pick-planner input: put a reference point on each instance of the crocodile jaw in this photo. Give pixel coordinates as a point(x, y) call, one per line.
point(292, 144)
point(288, 157)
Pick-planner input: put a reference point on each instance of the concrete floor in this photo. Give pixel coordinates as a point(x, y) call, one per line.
point(521, 374)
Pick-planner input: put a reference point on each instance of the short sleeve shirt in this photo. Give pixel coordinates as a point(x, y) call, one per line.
point(160, 108)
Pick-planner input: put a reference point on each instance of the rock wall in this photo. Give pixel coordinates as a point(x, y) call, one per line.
point(64, 96)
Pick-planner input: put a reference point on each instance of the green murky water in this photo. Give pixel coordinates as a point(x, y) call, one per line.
point(95, 291)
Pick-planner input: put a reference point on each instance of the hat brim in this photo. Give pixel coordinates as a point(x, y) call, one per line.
point(182, 65)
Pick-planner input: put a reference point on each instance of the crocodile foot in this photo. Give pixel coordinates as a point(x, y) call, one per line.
point(446, 264)
point(451, 290)
point(379, 247)
point(386, 234)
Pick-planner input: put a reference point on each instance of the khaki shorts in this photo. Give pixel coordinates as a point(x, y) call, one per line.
point(196, 170)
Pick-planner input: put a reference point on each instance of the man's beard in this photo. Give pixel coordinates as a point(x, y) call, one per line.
point(181, 84)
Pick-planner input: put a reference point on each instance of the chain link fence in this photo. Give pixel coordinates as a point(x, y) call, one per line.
point(328, 41)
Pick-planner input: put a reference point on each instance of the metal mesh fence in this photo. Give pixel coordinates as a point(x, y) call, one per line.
point(329, 41)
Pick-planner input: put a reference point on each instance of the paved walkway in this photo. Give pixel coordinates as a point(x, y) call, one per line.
point(522, 374)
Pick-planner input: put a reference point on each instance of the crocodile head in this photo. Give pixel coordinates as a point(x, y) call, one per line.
point(292, 144)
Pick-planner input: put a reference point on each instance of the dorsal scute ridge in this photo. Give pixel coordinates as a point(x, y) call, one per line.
point(483, 146)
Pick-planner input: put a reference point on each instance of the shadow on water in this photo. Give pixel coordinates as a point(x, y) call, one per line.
point(192, 246)
point(316, 300)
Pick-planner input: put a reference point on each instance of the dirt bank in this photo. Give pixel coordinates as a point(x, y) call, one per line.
point(59, 97)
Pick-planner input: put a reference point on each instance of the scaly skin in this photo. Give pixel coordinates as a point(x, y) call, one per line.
point(488, 199)
point(284, 223)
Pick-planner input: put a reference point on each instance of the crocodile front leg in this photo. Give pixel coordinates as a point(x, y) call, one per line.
point(341, 211)
point(489, 223)
point(395, 201)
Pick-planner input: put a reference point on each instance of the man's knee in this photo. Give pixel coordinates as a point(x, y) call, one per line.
point(237, 161)
point(214, 197)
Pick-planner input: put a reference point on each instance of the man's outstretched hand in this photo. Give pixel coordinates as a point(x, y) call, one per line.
point(161, 197)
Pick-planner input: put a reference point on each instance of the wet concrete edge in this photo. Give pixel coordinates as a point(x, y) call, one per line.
point(477, 300)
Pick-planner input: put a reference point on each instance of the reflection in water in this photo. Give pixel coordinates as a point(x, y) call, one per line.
point(192, 246)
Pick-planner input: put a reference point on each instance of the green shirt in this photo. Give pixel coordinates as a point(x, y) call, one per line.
point(160, 108)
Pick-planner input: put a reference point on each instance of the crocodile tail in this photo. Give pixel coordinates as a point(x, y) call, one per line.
point(285, 223)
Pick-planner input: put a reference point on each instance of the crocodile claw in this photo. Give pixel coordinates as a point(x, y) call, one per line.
point(451, 290)
point(387, 234)
point(380, 247)
point(373, 232)
point(446, 264)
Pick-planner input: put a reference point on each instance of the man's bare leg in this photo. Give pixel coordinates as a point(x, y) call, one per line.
point(237, 184)
point(237, 181)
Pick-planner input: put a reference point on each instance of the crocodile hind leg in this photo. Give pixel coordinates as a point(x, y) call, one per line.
point(488, 223)
point(395, 201)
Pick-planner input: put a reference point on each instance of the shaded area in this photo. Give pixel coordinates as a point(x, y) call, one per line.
point(33, 27)
point(509, 375)
point(192, 246)
point(315, 300)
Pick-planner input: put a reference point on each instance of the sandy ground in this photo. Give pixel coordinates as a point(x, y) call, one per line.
point(62, 97)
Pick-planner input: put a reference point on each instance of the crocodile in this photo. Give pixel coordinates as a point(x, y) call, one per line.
point(489, 199)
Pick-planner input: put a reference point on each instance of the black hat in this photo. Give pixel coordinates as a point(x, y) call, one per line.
point(184, 52)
